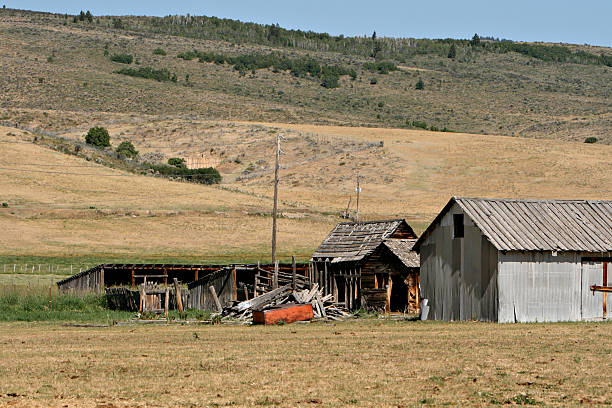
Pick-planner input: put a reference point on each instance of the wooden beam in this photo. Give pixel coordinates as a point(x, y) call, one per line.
point(167, 301)
point(211, 289)
point(179, 300)
point(102, 280)
point(294, 273)
point(234, 285)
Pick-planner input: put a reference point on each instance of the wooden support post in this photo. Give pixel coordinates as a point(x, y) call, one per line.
point(246, 293)
point(255, 283)
point(315, 273)
point(234, 285)
point(325, 281)
point(49, 298)
point(167, 301)
point(102, 280)
point(141, 308)
point(133, 279)
point(346, 290)
point(294, 273)
point(165, 276)
point(195, 278)
point(389, 289)
point(179, 300)
point(211, 289)
point(275, 278)
point(605, 295)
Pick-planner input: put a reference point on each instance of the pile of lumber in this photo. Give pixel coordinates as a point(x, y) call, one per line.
point(323, 307)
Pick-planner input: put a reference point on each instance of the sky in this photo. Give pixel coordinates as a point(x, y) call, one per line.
point(578, 22)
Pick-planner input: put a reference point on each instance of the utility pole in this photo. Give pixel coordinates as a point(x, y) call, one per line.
point(275, 208)
point(358, 190)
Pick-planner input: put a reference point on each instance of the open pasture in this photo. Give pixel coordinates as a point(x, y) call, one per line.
point(370, 362)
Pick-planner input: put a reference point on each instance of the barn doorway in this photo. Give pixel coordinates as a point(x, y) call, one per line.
point(398, 301)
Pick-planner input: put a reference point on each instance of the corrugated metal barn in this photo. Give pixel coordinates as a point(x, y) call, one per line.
point(370, 264)
point(517, 260)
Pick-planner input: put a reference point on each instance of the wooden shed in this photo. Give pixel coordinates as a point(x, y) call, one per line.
point(508, 260)
point(370, 264)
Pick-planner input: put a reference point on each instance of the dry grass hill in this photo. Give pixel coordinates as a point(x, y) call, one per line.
point(525, 121)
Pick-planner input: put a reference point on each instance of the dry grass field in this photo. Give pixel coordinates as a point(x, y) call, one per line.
point(95, 210)
point(367, 363)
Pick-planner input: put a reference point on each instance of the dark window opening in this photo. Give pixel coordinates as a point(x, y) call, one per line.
point(457, 225)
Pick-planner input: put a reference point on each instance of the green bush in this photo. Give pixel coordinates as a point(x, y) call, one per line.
point(122, 58)
point(452, 52)
point(330, 81)
point(382, 67)
point(177, 162)
point(419, 124)
point(98, 136)
point(208, 175)
point(160, 75)
point(127, 149)
point(373, 81)
point(159, 51)
point(590, 139)
point(420, 85)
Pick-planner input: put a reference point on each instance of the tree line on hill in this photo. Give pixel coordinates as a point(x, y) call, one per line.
point(234, 31)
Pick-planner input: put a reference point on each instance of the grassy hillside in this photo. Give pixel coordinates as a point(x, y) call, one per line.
point(224, 90)
point(66, 208)
point(531, 90)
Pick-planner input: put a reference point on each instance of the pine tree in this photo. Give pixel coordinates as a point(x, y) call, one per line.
point(475, 41)
point(452, 52)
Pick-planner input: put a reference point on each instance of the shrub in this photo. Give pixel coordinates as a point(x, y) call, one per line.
point(330, 81)
point(122, 58)
point(420, 85)
point(161, 75)
point(208, 175)
point(590, 139)
point(373, 81)
point(382, 67)
point(98, 136)
point(159, 51)
point(452, 52)
point(177, 162)
point(117, 23)
point(127, 149)
point(419, 124)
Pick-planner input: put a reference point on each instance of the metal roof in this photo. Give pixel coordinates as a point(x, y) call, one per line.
point(402, 248)
point(538, 225)
point(352, 241)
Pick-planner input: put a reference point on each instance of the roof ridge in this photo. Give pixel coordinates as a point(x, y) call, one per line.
point(372, 221)
point(533, 200)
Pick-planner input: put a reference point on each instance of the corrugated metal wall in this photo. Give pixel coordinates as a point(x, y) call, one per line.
point(459, 275)
point(540, 287)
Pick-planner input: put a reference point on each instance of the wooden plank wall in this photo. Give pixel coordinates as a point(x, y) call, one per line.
point(200, 296)
point(93, 281)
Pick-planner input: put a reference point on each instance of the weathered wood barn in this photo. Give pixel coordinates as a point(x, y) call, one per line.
point(517, 260)
point(370, 264)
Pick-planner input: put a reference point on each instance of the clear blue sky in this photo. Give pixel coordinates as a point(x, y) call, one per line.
point(580, 22)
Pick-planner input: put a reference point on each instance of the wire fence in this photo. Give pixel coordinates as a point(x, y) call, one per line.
point(42, 269)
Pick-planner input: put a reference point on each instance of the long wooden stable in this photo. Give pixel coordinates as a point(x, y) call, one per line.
point(132, 275)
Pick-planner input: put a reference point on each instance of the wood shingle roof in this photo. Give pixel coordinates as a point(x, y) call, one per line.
point(352, 241)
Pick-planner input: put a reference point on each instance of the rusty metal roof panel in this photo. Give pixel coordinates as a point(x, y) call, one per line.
point(537, 225)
